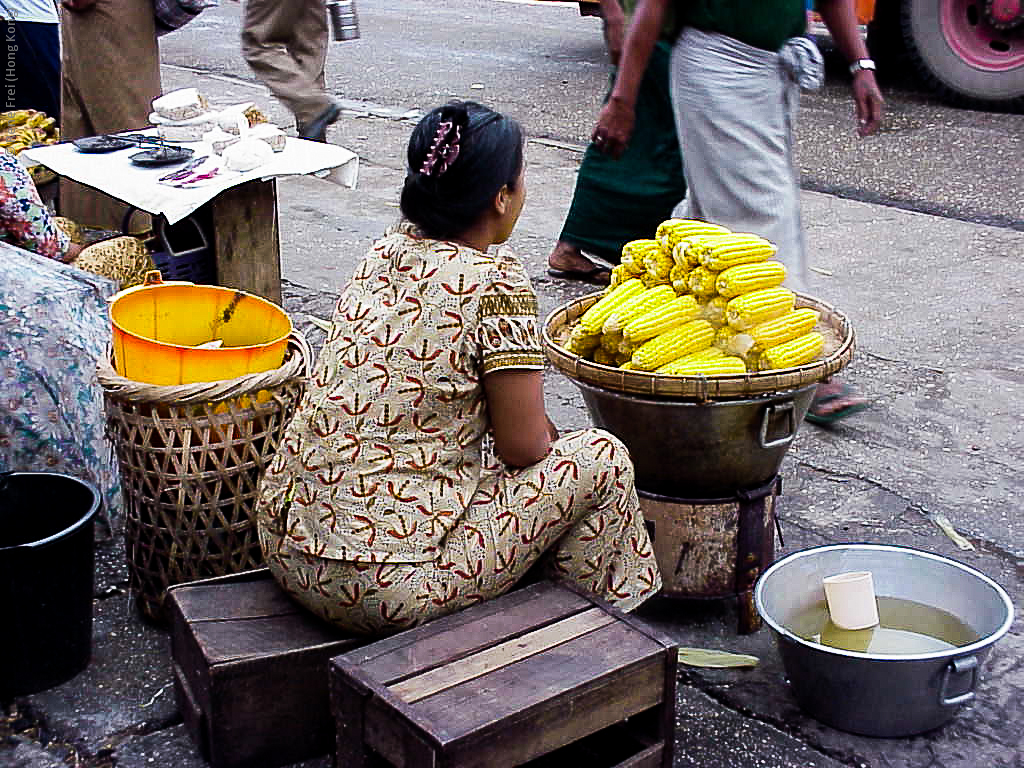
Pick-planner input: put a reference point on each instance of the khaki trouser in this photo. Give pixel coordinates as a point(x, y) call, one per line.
point(110, 74)
point(285, 43)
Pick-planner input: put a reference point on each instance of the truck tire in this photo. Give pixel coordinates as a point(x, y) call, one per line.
point(961, 56)
point(885, 37)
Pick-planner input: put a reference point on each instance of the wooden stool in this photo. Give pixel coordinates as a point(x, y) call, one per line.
point(507, 681)
point(250, 671)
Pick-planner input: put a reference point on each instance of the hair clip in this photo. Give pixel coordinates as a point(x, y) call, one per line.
point(442, 154)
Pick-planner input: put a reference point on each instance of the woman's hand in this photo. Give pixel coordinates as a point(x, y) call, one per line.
point(515, 405)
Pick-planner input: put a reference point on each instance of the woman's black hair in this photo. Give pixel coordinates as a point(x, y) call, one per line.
point(444, 198)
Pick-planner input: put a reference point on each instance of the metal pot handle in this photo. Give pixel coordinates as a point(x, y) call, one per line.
point(769, 412)
point(958, 667)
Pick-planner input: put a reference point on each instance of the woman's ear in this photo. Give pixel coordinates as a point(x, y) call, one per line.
point(501, 200)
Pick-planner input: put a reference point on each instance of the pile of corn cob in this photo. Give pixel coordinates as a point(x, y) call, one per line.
point(697, 300)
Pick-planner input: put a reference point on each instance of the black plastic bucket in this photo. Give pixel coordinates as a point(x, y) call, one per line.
point(46, 579)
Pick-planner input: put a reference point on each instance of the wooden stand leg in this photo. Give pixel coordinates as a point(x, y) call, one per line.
point(749, 620)
point(246, 240)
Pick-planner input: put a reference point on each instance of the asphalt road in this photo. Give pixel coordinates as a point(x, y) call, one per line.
point(546, 65)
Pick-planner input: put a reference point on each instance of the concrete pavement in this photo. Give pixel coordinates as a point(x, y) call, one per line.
point(937, 307)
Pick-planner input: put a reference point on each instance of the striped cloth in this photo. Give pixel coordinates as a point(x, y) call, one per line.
point(735, 111)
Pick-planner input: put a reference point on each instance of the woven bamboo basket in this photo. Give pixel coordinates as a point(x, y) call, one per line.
point(839, 345)
point(191, 459)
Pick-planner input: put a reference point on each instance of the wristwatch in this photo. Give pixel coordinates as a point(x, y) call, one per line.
point(860, 64)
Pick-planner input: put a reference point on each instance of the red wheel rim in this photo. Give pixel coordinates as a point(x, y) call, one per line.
point(977, 42)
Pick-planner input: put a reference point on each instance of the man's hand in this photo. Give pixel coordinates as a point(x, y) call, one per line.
point(869, 102)
point(78, 5)
point(614, 128)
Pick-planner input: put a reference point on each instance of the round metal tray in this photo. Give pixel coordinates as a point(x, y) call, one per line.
point(839, 346)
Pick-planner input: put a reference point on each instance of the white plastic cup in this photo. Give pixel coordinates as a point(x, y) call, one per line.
point(851, 599)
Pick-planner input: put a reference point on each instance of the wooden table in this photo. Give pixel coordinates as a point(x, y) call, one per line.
point(238, 211)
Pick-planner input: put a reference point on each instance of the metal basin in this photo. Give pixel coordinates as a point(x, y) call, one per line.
point(700, 450)
point(881, 694)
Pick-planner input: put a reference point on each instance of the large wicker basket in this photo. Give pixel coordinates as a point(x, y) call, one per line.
point(839, 345)
point(191, 459)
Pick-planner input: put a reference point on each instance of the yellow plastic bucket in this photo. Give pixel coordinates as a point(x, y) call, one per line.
point(157, 328)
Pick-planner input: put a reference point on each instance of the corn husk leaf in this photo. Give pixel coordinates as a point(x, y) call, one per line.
point(708, 657)
point(947, 528)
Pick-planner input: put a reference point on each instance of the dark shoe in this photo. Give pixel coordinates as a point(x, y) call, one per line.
point(317, 130)
point(854, 404)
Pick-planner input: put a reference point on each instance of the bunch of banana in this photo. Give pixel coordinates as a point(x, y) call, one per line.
point(24, 128)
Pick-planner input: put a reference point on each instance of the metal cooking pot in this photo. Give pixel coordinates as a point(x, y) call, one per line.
point(701, 450)
point(882, 694)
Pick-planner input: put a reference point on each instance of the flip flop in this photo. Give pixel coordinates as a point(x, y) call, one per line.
point(596, 275)
point(831, 417)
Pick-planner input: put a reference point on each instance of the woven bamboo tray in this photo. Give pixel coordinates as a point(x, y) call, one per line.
point(839, 345)
point(191, 458)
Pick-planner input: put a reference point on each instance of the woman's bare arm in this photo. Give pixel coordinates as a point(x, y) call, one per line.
point(515, 404)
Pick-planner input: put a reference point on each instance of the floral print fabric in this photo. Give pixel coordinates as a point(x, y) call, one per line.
point(24, 219)
point(384, 454)
point(53, 328)
point(385, 505)
point(575, 513)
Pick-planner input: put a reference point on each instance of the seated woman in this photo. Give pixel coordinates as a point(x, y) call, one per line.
point(53, 327)
point(421, 474)
point(26, 222)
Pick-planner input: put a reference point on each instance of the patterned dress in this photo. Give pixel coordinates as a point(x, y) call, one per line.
point(24, 219)
point(386, 505)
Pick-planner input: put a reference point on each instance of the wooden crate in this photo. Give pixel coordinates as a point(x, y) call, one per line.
point(530, 675)
point(250, 671)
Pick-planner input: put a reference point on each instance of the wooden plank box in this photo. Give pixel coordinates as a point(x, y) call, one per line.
point(250, 671)
point(539, 674)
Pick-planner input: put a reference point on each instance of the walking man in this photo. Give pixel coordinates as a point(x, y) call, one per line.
point(285, 44)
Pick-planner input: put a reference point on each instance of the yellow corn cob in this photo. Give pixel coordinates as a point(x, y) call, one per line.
point(627, 366)
point(744, 278)
point(672, 231)
point(722, 255)
point(713, 310)
point(664, 317)
point(582, 342)
point(802, 349)
point(721, 365)
point(748, 309)
point(682, 340)
point(701, 282)
point(679, 255)
point(659, 263)
point(650, 281)
point(627, 347)
point(594, 318)
point(619, 275)
point(751, 343)
point(691, 247)
point(638, 305)
point(723, 337)
point(610, 342)
point(620, 359)
point(603, 357)
point(633, 254)
point(701, 356)
point(678, 278)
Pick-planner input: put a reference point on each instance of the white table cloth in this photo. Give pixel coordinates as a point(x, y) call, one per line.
point(114, 173)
